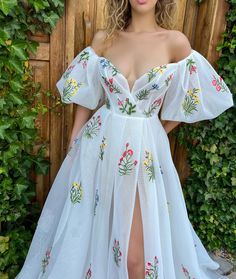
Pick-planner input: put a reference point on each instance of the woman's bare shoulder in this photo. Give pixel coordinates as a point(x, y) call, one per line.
point(98, 41)
point(179, 44)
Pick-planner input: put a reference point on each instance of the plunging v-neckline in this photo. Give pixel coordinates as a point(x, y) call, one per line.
point(144, 74)
point(136, 80)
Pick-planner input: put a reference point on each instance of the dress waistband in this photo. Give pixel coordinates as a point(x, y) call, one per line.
point(154, 116)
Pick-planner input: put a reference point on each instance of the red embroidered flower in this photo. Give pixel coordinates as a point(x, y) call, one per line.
point(84, 64)
point(130, 152)
point(214, 82)
point(89, 273)
point(151, 269)
point(126, 162)
point(120, 103)
point(193, 69)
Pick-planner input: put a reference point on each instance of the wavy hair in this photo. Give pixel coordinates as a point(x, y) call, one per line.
point(118, 15)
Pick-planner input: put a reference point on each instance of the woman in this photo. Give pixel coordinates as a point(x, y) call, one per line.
point(116, 208)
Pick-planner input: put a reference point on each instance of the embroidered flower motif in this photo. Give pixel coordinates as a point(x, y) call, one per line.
point(107, 63)
point(116, 252)
point(217, 82)
point(151, 269)
point(156, 70)
point(84, 57)
point(70, 88)
point(190, 102)
point(89, 273)
point(152, 107)
point(46, 259)
point(186, 273)
point(107, 103)
point(149, 167)
point(144, 93)
point(68, 71)
point(191, 65)
point(126, 162)
point(111, 86)
point(96, 202)
point(92, 127)
point(169, 78)
point(126, 106)
point(76, 192)
point(102, 147)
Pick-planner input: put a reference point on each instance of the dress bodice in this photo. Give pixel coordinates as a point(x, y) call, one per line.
point(188, 90)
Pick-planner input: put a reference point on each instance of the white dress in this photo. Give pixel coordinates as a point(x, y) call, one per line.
point(84, 228)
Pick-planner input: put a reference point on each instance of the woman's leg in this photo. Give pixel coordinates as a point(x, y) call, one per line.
point(136, 246)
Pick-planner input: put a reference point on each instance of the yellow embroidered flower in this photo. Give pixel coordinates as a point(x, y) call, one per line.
point(103, 145)
point(190, 92)
point(72, 84)
point(76, 184)
point(191, 100)
point(159, 69)
point(149, 167)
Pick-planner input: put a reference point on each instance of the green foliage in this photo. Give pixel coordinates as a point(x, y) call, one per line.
point(21, 149)
point(210, 190)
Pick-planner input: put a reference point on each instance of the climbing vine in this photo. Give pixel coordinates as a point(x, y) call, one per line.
point(210, 190)
point(21, 149)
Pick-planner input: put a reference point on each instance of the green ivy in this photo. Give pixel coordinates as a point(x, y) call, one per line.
point(210, 190)
point(21, 150)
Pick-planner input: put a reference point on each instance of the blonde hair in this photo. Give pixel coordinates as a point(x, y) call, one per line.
point(118, 15)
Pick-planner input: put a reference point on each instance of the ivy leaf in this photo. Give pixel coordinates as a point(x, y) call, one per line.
point(50, 18)
point(3, 128)
point(18, 49)
point(2, 103)
point(58, 3)
point(28, 121)
point(32, 46)
point(7, 5)
point(39, 4)
point(16, 98)
point(4, 35)
point(17, 65)
point(20, 187)
point(15, 85)
point(4, 244)
point(42, 166)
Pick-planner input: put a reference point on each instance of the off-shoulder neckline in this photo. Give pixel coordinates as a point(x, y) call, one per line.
point(171, 63)
point(144, 74)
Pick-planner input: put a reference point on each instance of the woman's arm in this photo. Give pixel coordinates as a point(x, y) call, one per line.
point(169, 125)
point(82, 114)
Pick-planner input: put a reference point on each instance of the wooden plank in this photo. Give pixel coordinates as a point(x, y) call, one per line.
point(57, 58)
point(42, 52)
point(41, 74)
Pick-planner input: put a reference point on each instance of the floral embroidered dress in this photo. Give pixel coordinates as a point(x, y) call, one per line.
point(84, 228)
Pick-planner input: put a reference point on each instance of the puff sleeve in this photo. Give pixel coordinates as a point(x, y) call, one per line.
point(80, 82)
point(196, 92)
